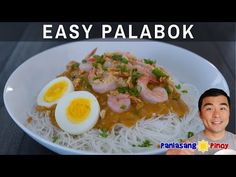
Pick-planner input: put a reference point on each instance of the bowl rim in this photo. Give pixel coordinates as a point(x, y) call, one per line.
point(61, 148)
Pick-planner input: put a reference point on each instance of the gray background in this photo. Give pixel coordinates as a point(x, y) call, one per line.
point(12, 53)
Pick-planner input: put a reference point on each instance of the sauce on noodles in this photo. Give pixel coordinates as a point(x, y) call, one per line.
point(139, 108)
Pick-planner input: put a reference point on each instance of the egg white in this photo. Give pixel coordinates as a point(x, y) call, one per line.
point(40, 98)
point(77, 128)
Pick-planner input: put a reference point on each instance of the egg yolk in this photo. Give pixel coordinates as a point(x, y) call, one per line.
point(78, 110)
point(56, 91)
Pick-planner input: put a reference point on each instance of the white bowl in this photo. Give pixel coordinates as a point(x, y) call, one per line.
point(24, 84)
point(226, 152)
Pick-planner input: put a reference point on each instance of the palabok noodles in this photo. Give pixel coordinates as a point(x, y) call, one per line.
point(140, 105)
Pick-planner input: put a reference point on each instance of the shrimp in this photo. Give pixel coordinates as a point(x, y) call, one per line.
point(103, 83)
point(87, 65)
point(157, 95)
point(91, 54)
point(143, 68)
point(119, 103)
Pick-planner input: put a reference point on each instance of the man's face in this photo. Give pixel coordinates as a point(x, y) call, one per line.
point(215, 113)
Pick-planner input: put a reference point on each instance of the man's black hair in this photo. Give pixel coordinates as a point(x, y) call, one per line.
point(212, 92)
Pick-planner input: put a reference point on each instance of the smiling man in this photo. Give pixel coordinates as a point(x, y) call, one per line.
point(214, 111)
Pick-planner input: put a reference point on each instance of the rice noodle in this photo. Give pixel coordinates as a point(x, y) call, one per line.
point(166, 128)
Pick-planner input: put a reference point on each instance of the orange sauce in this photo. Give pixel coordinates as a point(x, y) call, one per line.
point(29, 120)
point(132, 115)
point(128, 118)
point(51, 113)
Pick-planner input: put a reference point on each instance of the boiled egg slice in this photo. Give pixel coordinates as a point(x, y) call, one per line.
point(54, 91)
point(77, 112)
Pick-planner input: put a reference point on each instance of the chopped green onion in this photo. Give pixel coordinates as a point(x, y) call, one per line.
point(55, 138)
point(75, 66)
point(178, 86)
point(184, 91)
point(123, 106)
point(146, 143)
point(95, 65)
point(95, 78)
point(135, 76)
point(84, 61)
point(120, 58)
point(123, 89)
point(103, 133)
point(158, 72)
point(132, 91)
point(149, 61)
point(190, 134)
point(99, 59)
